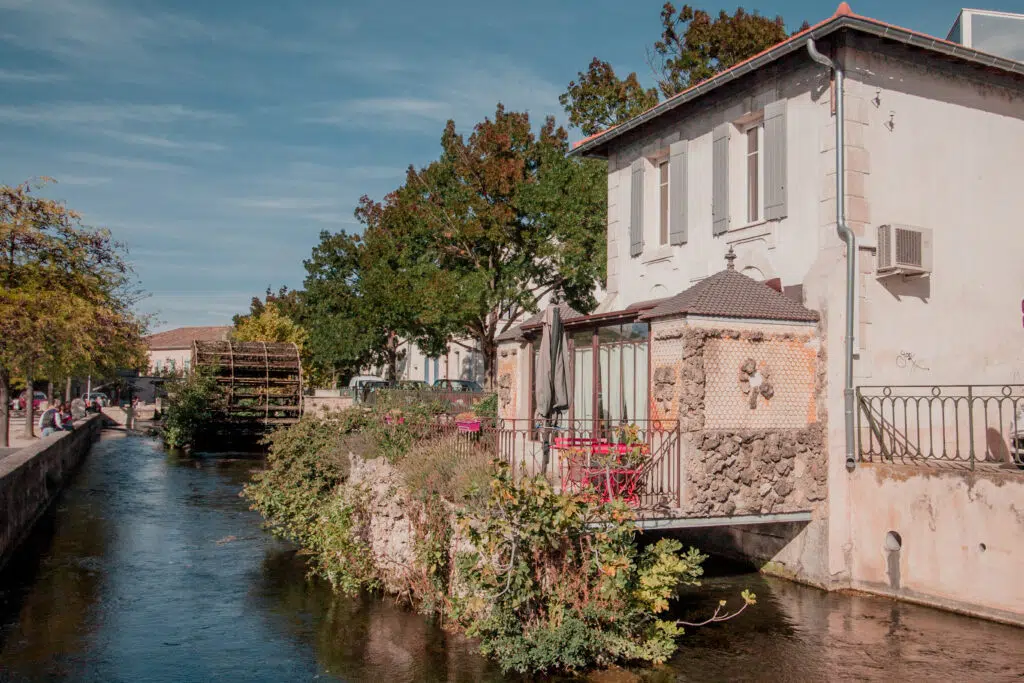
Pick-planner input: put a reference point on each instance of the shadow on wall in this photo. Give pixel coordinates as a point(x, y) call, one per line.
point(913, 287)
point(751, 544)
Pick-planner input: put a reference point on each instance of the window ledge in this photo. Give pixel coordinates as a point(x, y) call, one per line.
point(661, 253)
point(752, 224)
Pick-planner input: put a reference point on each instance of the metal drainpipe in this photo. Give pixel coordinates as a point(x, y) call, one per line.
point(846, 234)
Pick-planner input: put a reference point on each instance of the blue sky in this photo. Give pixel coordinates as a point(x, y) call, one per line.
point(218, 138)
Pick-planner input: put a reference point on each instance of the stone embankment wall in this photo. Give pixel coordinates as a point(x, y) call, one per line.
point(391, 518)
point(32, 477)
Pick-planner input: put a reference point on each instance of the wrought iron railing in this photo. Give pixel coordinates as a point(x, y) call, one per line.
point(965, 424)
point(533, 447)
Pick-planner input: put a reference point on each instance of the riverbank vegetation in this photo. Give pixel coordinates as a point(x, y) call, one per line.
point(188, 408)
point(545, 582)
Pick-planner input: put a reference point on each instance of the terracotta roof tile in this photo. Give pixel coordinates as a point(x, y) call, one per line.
point(182, 337)
point(843, 11)
point(729, 294)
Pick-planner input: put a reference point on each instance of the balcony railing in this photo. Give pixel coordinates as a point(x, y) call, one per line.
point(573, 455)
point(962, 424)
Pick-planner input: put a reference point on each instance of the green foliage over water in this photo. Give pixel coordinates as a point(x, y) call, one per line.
point(558, 583)
point(546, 582)
point(188, 410)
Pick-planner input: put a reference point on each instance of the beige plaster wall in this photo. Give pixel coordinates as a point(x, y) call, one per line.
point(961, 537)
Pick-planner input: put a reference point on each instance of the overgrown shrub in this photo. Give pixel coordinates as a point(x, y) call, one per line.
point(557, 583)
point(552, 583)
point(306, 463)
point(488, 408)
point(438, 468)
point(394, 425)
point(188, 409)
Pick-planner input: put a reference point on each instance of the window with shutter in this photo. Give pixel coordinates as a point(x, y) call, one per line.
point(720, 179)
point(754, 173)
point(774, 162)
point(663, 207)
point(636, 209)
point(677, 197)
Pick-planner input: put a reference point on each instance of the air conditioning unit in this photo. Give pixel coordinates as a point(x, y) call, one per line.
point(904, 250)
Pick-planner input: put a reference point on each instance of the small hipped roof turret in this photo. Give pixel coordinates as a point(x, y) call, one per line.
point(729, 294)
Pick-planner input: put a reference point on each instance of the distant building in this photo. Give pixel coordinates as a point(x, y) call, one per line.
point(997, 33)
point(171, 351)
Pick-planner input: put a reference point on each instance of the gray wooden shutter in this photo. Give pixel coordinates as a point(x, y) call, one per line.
point(677, 199)
point(720, 179)
point(775, 160)
point(636, 210)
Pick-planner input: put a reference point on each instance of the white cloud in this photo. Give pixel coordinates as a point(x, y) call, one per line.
point(437, 90)
point(128, 163)
point(85, 181)
point(11, 76)
point(282, 203)
point(385, 112)
point(165, 143)
point(89, 113)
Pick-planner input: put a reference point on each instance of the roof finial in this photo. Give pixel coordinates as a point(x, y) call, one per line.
point(730, 259)
point(843, 10)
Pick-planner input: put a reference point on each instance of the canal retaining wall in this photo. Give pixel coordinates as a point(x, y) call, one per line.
point(32, 477)
point(947, 538)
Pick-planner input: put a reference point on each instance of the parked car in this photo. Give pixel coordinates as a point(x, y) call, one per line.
point(90, 398)
point(457, 385)
point(357, 382)
point(38, 397)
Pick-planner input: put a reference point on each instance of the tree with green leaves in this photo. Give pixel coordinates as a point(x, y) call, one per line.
point(66, 297)
point(502, 220)
point(365, 294)
point(693, 47)
point(599, 99)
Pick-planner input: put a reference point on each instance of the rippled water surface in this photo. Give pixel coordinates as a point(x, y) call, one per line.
point(151, 568)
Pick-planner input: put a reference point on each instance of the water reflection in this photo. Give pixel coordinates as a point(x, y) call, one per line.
point(365, 638)
point(151, 568)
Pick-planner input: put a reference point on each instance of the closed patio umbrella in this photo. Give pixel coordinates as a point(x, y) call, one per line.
point(552, 375)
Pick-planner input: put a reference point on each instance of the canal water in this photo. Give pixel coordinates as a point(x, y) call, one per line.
point(151, 568)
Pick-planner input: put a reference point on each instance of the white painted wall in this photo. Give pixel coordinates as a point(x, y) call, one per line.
point(164, 357)
point(926, 146)
point(783, 248)
point(458, 363)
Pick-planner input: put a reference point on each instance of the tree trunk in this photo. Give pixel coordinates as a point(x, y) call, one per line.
point(5, 408)
point(67, 390)
point(29, 412)
point(49, 393)
point(489, 351)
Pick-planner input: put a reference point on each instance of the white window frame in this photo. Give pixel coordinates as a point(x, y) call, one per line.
point(759, 127)
point(664, 208)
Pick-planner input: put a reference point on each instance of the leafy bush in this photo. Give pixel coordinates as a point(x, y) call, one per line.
point(435, 468)
point(487, 408)
point(340, 550)
point(306, 463)
point(393, 426)
point(189, 411)
point(557, 583)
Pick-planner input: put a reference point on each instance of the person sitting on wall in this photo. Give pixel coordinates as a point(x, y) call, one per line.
point(50, 422)
point(78, 408)
point(67, 418)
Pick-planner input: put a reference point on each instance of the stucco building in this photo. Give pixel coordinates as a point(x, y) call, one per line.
point(923, 496)
point(171, 351)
